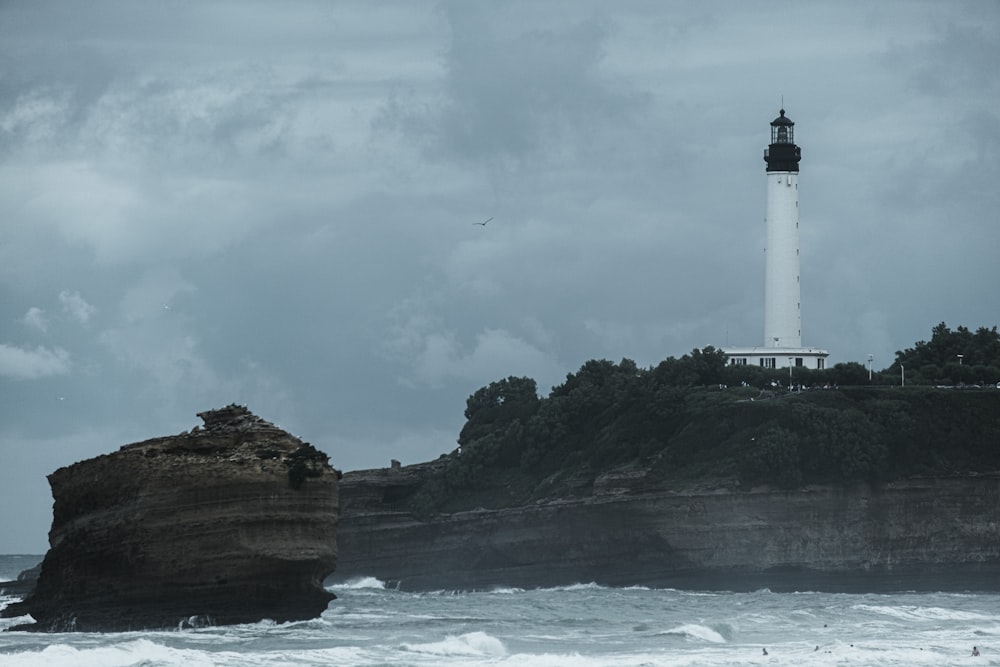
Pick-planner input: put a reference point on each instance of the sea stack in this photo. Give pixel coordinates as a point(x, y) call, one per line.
point(234, 522)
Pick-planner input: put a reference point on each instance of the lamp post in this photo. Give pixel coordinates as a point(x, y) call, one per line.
point(869, 368)
point(902, 375)
point(789, 374)
point(959, 358)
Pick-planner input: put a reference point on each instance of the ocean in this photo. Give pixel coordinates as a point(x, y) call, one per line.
point(581, 625)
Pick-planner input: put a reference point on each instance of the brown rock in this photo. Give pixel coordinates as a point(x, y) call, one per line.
point(231, 523)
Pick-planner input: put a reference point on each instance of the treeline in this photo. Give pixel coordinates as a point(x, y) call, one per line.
point(958, 357)
point(697, 418)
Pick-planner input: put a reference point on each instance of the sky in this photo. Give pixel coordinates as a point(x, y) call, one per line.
point(275, 203)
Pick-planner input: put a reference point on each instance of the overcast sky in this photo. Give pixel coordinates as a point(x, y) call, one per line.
point(274, 204)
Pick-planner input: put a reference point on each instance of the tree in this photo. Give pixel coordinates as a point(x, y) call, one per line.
point(494, 406)
point(594, 373)
point(699, 368)
point(512, 391)
point(851, 373)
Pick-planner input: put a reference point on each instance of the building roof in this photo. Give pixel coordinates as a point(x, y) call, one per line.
point(774, 351)
point(782, 120)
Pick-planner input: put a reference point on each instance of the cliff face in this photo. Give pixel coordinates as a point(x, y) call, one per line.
point(230, 523)
point(934, 533)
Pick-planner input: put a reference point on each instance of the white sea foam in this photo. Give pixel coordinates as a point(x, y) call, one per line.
point(446, 592)
point(359, 583)
point(579, 587)
point(469, 644)
point(988, 630)
point(915, 613)
point(5, 623)
point(696, 631)
point(125, 654)
point(578, 626)
point(142, 653)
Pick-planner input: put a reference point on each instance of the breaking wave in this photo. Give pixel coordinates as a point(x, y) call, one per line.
point(694, 631)
point(470, 644)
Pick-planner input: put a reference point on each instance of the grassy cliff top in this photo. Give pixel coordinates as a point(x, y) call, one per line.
point(628, 432)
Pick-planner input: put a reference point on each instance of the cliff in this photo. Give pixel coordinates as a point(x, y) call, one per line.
point(915, 534)
point(621, 479)
point(231, 523)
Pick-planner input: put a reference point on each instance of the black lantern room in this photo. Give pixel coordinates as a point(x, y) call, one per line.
point(782, 154)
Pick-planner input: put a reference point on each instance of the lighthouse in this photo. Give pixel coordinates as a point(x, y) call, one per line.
point(782, 345)
point(782, 298)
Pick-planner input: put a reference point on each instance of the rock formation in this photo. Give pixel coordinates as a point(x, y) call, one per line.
point(231, 523)
point(24, 584)
point(932, 533)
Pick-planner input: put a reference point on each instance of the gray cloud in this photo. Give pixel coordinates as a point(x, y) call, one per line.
point(76, 306)
point(26, 364)
point(35, 318)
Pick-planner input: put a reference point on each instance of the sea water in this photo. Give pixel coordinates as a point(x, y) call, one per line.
point(588, 625)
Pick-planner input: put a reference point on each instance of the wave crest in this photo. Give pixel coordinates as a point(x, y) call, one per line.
point(916, 613)
point(360, 582)
point(469, 644)
point(695, 631)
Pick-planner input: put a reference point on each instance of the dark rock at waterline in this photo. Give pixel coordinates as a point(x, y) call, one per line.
point(234, 522)
point(24, 584)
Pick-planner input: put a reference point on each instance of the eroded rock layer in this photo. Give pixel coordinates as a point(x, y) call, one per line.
point(231, 523)
point(939, 533)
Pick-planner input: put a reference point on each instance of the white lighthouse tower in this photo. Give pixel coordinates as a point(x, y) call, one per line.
point(782, 303)
point(782, 297)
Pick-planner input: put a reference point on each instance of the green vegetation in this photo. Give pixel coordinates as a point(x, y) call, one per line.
point(695, 420)
point(951, 357)
point(304, 462)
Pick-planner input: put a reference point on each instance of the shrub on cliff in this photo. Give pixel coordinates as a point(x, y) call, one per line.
point(772, 457)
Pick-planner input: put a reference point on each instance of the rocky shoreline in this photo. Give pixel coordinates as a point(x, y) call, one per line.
point(239, 521)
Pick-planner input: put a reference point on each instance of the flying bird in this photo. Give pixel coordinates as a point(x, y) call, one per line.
point(483, 223)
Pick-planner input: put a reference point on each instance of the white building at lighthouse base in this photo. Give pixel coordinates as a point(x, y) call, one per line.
point(777, 357)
